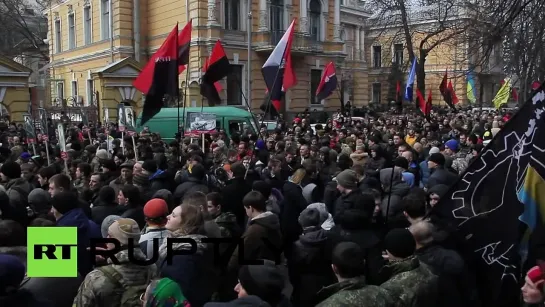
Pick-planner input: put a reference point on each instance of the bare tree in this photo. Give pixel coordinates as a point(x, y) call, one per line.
point(424, 25)
point(23, 29)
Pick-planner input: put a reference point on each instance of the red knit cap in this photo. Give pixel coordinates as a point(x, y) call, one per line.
point(535, 274)
point(156, 208)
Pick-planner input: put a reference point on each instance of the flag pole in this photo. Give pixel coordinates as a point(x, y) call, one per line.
point(249, 62)
point(178, 91)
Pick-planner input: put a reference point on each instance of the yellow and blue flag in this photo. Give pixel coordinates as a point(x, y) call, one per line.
point(471, 90)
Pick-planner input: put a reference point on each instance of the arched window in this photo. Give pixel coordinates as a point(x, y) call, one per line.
point(315, 11)
point(276, 15)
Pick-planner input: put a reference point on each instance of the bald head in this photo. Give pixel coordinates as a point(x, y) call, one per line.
point(418, 147)
point(422, 232)
point(408, 155)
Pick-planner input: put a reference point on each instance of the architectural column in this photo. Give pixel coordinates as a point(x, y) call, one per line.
point(303, 23)
point(212, 18)
point(263, 16)
point(337, 21)
point(358, 43)
point(362, 43)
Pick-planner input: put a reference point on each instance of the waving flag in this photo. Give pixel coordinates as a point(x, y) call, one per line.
point(453, 96)
point(502, 97)
point(328, 84)
point(428, 105)
point(471, 92)
point(277, 70)
point(145, 78)
point(445, 91)
point(165, 76)
point(215, 68)
point(495, 225)
point(410, 81)
point(421, 102)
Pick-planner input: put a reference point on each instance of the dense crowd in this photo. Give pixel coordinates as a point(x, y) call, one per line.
point(340, 212)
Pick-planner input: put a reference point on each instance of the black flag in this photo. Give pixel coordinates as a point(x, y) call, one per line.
point(498, 204)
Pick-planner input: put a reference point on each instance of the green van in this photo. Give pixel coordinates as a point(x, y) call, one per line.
point(229, 119)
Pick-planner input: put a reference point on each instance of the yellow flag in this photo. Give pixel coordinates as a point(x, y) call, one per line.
point(503, 94)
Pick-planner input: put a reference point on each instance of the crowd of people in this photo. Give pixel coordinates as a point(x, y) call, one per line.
point(338, 213)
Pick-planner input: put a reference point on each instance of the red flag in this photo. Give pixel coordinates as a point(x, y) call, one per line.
point(535, 85)
point(515, 94)
point(328, 84)
point(398, 89)
point(215, 68)
point(421, 101)
point(443, 85)
point(428, 104)
point(164, 78)
point(145, 78)
point(452, 93)
point(217, 85)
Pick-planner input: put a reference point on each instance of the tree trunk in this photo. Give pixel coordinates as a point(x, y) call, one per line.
point(421, 75)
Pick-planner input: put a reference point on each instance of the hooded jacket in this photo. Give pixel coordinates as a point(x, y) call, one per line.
point(262, 240)
point(87, 229)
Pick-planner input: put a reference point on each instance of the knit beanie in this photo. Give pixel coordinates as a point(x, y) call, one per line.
point(452, 145)
point(124, 229)
point(64, 202)
point(400, 243)
point(536, 275)
point(156, 208)
point(437, 158)
point(141, 180)
point(12, 170)
point(106, 223)
point(347, 179)
point(12, 273)
point(102, 154)
point(434, 150)
point(265, 281)
point(109, 164)
point(309, 217)
point(39, 200)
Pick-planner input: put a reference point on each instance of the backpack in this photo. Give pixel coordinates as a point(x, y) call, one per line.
point(131, 294)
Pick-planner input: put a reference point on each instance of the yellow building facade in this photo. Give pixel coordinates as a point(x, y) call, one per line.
point(98, 48)
point(386, 47)
point(14, 89)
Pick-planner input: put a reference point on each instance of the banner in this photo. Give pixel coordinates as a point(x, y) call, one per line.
point(125, 117)
point(29, 128)
point(499, 203)
point(199, 123)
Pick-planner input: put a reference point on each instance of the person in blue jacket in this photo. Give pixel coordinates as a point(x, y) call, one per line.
point(67, 213)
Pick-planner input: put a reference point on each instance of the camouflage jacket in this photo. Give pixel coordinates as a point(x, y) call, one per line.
point(227, 222)
point(99, 290)
point(411, 283)
point(354, 292)
point(459, 162)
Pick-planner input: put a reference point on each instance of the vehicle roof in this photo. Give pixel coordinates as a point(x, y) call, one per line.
point(224, 111)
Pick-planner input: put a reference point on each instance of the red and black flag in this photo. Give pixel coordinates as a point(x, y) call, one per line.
point(278, 72)
point(164, 81)
point(399, 97)
point(453, 96)
point(328, 84)
point(145, 78)
point(427, 112)
point(445, 91)
point(421, 102)
point(216, 67)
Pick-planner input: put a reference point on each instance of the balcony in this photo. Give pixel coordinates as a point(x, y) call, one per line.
point(302, 43)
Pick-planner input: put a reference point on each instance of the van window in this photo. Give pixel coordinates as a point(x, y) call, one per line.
point(236, 126)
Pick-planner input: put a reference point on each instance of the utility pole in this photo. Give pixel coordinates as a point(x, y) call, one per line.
point(249, 61)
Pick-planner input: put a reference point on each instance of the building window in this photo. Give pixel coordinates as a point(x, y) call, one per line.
point(105, 19)
point(398, 54)
point(74, 86)
point(234, 90)
point(376, 93)
point(58, 37)
point(276, 15)
point(349, 52)
point(315, 12)
point(71, 31)
point(60, 92)
point(377, 56)
point(315, 78)
point(87, 24)
point(89, 92)
point(231, 14)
